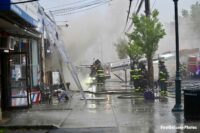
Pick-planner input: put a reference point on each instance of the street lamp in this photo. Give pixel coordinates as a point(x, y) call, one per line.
point(177, 106)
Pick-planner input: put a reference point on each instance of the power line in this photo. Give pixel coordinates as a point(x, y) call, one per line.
point(136, 5)
point(71, 9)
point(153, 4)
point(139, 7)
point(82, 10)
point(15, 3)
point(138, 10)
point(68, 4)
point(129, 9)
point(21, 2)
point(79, 6)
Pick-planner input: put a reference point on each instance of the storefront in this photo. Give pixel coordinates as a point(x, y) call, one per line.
point(19, 70)
point(19, 54)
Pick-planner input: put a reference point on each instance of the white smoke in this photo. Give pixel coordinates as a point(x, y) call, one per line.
point(91, 35)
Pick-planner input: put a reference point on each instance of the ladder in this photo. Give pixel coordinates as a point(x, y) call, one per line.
point(67, 60)
point(59, 45)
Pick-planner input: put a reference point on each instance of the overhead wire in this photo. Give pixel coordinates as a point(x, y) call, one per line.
point(84, 3)
point(136, 5)
point(81, 10)
point(138, 10)
point(21, 2)
point(129, 9)
point(67, 4)
point(139, 7)
point(77, 8)
point(153, 4)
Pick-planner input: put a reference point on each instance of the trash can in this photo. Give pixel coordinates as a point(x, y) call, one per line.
point(192, 104)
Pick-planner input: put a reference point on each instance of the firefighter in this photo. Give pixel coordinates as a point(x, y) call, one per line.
point(136, 79)
point(163, 78)
point(143, 77)
point(131, 72)
point(93, 70)
point(100, 74)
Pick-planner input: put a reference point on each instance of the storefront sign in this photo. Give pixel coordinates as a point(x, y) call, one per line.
point(27, 11)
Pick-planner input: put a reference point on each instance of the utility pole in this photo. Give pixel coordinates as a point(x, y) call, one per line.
point(147, 8)
point(149, 62)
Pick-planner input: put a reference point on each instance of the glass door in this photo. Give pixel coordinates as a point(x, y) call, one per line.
point(20, 90)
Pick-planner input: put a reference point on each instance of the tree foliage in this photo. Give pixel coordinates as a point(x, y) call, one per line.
point(146, 34)
point(128, 49)
point(134, 51)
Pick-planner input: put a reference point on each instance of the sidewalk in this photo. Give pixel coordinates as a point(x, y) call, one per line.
point(111, 115)
point(40, 116)
point(108, 114)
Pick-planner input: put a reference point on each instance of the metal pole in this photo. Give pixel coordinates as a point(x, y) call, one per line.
point(147, 8)
point(177, 106)
point(125, 72)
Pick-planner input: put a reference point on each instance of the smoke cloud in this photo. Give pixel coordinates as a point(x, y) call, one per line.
point(188, 38)
point(91, 34)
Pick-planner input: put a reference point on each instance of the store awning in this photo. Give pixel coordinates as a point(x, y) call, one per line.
point(17, 30)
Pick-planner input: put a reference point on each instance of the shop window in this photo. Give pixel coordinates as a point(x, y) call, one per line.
point(19, 87)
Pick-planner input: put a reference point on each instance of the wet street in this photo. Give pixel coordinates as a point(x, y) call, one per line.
point(105, 113)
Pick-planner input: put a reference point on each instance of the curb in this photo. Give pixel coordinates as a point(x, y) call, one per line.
point(14, 127)
point(129, 97)
point(109, 92)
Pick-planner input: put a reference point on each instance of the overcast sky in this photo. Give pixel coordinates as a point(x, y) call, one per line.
point(93, 33)
point(166, 7)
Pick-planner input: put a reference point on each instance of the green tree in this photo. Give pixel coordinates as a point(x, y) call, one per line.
point(147, 32)
point(126, 49)
point(134, 51)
